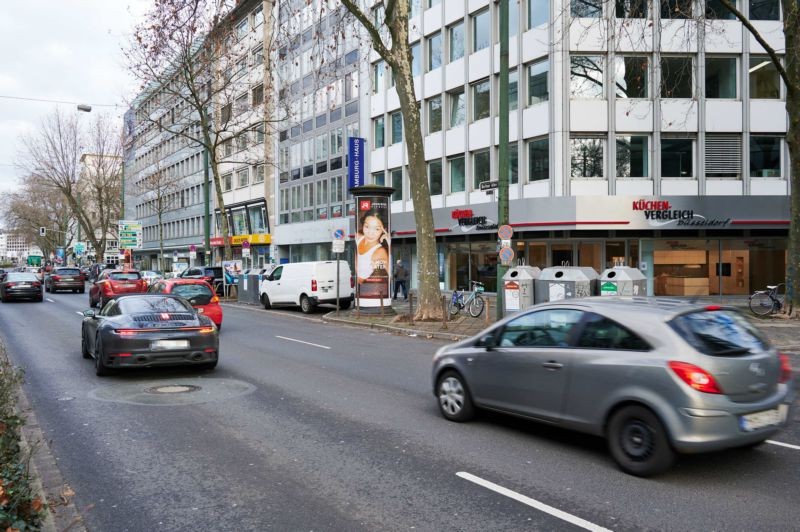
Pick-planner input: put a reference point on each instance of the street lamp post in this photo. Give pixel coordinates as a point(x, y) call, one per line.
point(502, 185)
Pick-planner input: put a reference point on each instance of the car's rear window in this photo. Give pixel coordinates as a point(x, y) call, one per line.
point(719, 333)
point(136, 305)
point(68, 271)
point(124, 276)
point(21, 276)
point(197, 294)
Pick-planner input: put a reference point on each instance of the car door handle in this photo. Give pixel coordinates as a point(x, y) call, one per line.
point(552, 365)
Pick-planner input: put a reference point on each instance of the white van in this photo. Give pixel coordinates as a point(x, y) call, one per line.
point(307, 284)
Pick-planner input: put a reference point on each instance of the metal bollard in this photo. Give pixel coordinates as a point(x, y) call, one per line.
point(358, 307)
point(488, 306)
point(411, 307)
point(380, 295)
point(444, 312)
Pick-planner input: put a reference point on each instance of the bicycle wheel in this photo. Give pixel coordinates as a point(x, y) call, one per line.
point(761, 304)
point(476, 306)
point(454, 307)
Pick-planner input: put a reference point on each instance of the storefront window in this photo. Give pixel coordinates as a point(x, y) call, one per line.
point(256, 215)
point(589, 255)
point(239, 218)
point(562, 255)
point(615, 254)
point(472, 261)
point(537, 254)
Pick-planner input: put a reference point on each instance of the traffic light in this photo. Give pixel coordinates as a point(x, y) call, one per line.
point(42, 231)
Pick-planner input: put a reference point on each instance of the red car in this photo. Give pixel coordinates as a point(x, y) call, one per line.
point(113, 283)
point(197, 292)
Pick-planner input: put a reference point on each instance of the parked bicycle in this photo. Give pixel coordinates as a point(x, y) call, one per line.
point(473, 302)
point(769, 301)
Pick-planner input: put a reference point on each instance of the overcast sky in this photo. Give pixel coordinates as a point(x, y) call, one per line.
point(68, 50)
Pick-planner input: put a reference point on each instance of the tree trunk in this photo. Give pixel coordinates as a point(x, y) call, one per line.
point(430, 307)
point(223, 213)
point(160, 244)
point(791, 18)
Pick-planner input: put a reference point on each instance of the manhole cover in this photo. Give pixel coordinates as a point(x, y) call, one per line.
point(173, 388)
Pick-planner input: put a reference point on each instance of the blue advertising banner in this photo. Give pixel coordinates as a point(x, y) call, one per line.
point(355, 157)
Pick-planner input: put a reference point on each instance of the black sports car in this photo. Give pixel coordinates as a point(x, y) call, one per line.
point(21, 285)
point(144, 330)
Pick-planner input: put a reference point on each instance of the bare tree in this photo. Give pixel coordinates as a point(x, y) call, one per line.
point(388, 31)
point(160, 193)
point(37, 204)
point(185, 56)
point(84, 167)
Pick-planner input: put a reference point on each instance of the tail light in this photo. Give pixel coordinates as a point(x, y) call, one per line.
point(206, 330)
point(11, 284)
point(215, 299)
point(786, 368)
point(695, 376)
point(56, 277)
point(37, 284)
point(352, 282)
point(121, 355)
point(106, 288)
point(126, 332)
point(313, 285)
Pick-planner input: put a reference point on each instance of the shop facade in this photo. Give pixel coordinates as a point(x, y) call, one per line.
point(684, 245)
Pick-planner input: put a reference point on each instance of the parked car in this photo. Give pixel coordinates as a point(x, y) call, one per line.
point(210, 274)
point(307, 284)
point(65, 279)
point(145, 330)
point(21, 285)
point(151, 276)
point(196, 291)
point(654, 377)
point(3, 273)
point(113, 283)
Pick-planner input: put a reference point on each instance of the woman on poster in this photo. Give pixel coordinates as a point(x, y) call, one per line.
point(373, 248)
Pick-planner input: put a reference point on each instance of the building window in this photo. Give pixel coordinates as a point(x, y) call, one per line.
point(586, 8)
point(537, 82)
point(258, 56)
point(677, 157)
point(435, 177)
point(586, 77)
point(676, 77)
point(456, 173)
point(765, 10)
point(226, 113)
point(631, 8)
point(379, 178)
point(258, 95)
point(538, 159)
point(723, 156)
point(456, 41)
point(227, 182)
point(721, 77)
point(676, 9)
point(633, 157)
point(259, 175)
point(379, 137)
point(351, 86)
point(481, 30)
point(513, 18)
point(397, 127)
point(538, 13)
point(457, 108)
point(481, 168)
point(241, 30)
point(513, 163)
point(586, 157)
point(416, 59)
point(322, 192)
point(631, 76)
point(434, 114)
point(336, 189)
point(434, 51)
point(336, 141)
point(481, 101)
point(716, 10)
point(397, 183)
point(765, 82)
point(765, 156)
point(378, 72)
point(513, 90)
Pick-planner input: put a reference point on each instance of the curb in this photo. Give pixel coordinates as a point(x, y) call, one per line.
point(450, 337)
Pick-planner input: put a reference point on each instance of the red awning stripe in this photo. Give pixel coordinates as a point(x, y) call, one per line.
point(760, 222)
point(592, 222)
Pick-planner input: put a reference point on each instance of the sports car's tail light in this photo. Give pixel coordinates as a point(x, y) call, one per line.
point(206, 330)
point(208, 350)
point(126, 332)
point(786, 368)
point(124, 355)
point(695, 376)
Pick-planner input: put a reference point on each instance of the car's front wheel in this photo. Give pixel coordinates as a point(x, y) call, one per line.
point(455, 402)
point(638, 442)
point(265, 301)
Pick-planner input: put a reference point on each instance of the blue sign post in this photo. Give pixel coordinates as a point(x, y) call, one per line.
point(355, 157)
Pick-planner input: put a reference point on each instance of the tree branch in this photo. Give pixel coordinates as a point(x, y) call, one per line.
point(377, 41)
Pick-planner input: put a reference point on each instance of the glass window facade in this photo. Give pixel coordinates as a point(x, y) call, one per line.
point(676, 77)
point(457, 174)
point(632, 156)
point(435, 114)
point(538, 159)
point(765, 82)
point(631, 73)
point(538, 87)
point(765, 156)
point(586, 77)
point(456, 41)
point(721, 77)
point(677, 157)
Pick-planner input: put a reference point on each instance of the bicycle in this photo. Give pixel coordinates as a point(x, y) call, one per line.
point(474, 302)
point(764, 302)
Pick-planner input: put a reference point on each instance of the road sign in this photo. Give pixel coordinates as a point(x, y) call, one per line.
point(489, 185)
point(338, 234)
point(506, 254)
point(338, 246)
point(245, 244)
point(79, 248)
point(42, 231)
point(130, 234)
point(245, 252)
point(505, 232)
point(505, 243)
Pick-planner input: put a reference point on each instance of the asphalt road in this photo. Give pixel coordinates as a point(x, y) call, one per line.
point(311, 426)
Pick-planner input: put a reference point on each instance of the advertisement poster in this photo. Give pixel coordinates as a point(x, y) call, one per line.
point(232, 269)
point(373, 245)
point(59, 255)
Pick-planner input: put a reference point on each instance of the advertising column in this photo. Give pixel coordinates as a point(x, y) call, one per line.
point(373, 246)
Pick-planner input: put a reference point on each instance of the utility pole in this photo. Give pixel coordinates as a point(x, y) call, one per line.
point(207, 213)
point(502, 185)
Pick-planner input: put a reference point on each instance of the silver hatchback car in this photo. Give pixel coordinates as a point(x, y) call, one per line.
point(655, 377)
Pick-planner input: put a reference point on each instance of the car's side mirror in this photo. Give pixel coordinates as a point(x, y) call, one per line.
point(488, 341)
point(89, 314)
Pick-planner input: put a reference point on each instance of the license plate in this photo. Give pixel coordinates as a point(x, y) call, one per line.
point(765, 418)
point(23, 285)
point(169, 344)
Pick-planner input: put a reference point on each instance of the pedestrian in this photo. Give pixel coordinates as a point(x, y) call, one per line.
point(400, 279)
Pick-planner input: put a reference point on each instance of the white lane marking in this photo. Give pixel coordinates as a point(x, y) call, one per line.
point(50, 300)
point(789, 445)
point(569, 518)
point(302, 342)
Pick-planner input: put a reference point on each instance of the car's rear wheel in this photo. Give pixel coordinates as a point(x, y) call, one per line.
point(82, 290)
point(100, 368)
point(265, 301)
point(638, 442)
point(305, 304)
point(84, 348)
point(455, 402)
point(209, 366)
